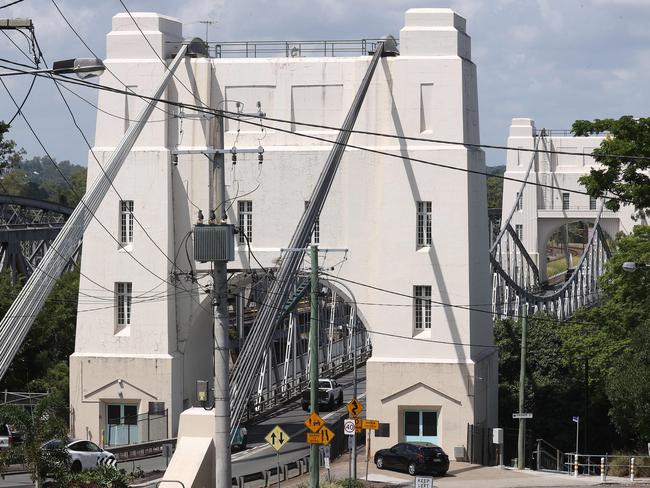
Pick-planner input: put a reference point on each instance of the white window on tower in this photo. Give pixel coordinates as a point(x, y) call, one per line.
point(423, 224)
point(519, 229)
point(123, 293)
point(245, 221)
point(126, 222)
point(422, 306)
point(315, 237)
point(592, 203)
point(565, 201)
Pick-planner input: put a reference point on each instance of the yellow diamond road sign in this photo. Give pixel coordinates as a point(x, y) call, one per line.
point(314, 422)
point(277, 438)
point(354, 407)
point(323, 436)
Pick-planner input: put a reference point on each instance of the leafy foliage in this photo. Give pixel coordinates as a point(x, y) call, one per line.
point(42, 361)
point(9, 155)
point(47, 421)
point(38, 178)
point(495, 186)
point(625, 177)
point(103, 476)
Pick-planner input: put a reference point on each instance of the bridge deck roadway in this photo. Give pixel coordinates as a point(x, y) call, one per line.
point(291, 420)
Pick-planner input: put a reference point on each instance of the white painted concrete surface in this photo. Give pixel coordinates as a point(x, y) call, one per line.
point(429, 91)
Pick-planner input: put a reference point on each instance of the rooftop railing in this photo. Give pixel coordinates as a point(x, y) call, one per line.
point(292, 49)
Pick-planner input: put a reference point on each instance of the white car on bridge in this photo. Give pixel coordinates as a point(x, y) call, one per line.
point(83, 454)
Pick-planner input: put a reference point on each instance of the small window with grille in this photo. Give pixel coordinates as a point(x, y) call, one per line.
point(565, 201)
point(245, 221)
point(126, 222)
point(519, 229)
point(422, 306)
point(423, 224)
point(123, 294)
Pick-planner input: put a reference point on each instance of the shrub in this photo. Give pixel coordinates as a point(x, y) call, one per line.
point(619, 465)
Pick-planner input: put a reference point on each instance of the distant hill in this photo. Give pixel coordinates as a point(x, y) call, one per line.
point(38, 178)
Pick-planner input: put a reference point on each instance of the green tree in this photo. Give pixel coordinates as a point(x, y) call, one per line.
point(47, 421)
point(615, 336)
point(41, 362)
point(495, 186)
point(9, 155)
point(554, 388)
point(625, 158)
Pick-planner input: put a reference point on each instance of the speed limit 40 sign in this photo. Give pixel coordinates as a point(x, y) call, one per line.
point(349, 426)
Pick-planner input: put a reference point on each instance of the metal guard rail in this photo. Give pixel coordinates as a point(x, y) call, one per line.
point(282, 394)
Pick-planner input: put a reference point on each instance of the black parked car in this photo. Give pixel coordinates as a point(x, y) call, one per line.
point(413, 457)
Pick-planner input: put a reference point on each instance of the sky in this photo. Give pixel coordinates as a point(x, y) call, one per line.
point(554, 61)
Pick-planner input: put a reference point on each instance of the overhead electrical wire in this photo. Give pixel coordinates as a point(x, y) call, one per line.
point(226, 115)
point(91, 51)
point(81, 200)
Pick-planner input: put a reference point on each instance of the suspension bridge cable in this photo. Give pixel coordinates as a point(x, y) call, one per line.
point(52, 161)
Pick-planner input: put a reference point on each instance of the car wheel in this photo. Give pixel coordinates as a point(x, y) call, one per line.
point(412, 469)
point(330, 403)
point(379, 462)
point(305, 407)
point(340, 400)
point(76, 467)
point(441, 473)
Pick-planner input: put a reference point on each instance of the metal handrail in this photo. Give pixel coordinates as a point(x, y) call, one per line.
point(291, 48)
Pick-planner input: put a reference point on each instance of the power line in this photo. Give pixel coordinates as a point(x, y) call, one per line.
point(81, 201)
point(10, 4)
point(81, 39)
point(226, 114)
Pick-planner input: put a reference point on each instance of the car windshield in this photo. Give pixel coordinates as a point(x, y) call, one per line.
point(323, 383)
point(53, 444)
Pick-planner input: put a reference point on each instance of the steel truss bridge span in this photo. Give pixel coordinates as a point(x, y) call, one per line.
point(28, 227)
point(284, 372)
point(516, 286)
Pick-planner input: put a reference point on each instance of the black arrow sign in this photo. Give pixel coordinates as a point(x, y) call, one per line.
point(355, 407)
point(273, 438)
point(281, 438)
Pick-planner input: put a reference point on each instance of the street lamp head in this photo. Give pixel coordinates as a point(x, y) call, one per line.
point(630, 266)
point(82, 67)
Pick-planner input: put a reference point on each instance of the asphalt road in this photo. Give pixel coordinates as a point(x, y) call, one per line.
point(291, 419)
point(260, 454)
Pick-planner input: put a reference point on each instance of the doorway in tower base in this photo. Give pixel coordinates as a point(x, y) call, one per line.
point(121, 424)
point(420, 425)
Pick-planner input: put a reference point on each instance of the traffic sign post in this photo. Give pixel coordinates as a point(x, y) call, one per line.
point(423, 482)
point(369, 424)
point(277, 438)
point(354, 407)
point(349, 426)
point(518, 415)
point(323, 436)
point(314, 422)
